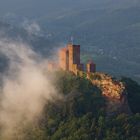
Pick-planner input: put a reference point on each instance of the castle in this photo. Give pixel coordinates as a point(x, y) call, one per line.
point(69, 60)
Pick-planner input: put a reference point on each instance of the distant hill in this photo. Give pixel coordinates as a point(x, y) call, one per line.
point(40, 43)
point(110, 37)
point(107, 30)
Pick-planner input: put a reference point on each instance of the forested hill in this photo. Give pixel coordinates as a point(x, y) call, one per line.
point(107, 30)
point(81, 114)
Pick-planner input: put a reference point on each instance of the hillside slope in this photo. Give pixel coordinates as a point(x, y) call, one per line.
point(107, 30)
point(79, 115)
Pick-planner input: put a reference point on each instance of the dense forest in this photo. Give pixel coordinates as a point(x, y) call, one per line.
point(81, 114)
point(108, 30)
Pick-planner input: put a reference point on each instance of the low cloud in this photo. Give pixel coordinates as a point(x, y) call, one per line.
point(31, 27)
point(26, 87)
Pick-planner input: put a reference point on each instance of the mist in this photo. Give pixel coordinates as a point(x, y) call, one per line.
point(32, 28)
point(26, 87)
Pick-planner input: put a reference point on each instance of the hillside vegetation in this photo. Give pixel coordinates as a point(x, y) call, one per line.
point(81, 114)
point(107, 30)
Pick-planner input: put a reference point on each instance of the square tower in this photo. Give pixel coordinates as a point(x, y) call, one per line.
point(64, 59)
point(74, 55)
point(91, 67)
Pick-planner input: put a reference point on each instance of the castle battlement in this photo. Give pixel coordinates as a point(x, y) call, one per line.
point(69, 60)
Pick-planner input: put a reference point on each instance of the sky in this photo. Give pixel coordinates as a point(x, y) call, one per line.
point(37, 7)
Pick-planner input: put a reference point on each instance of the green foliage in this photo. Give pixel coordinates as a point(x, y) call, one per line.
point(80, 115)
point(80, 96)
point(86, 127)
point(133, 90)
point(123, 127)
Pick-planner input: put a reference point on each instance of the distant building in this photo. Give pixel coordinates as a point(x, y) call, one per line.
point(69, 60)
point(91, 67)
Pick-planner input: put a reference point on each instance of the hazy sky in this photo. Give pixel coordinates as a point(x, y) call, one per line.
point(38, 7)
point(43, 7)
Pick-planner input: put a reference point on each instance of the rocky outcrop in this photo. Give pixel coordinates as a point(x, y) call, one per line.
point(114, 92)
point(111, 88)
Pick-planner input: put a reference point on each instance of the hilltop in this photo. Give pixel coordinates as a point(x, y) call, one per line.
point(73, 98)
point(107, 28)
point(84, 104)
point(82, 113)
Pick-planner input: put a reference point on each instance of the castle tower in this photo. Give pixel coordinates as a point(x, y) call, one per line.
point(91, 67)
point(64, 59)
point(74, 55)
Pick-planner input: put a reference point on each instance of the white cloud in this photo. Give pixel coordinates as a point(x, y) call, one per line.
point(26, 87)
point(31, 27)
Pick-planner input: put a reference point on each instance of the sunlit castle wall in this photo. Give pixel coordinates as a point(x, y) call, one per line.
point(91, 67)
point(64, 59)
point(69, 60)
point(74, 55)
